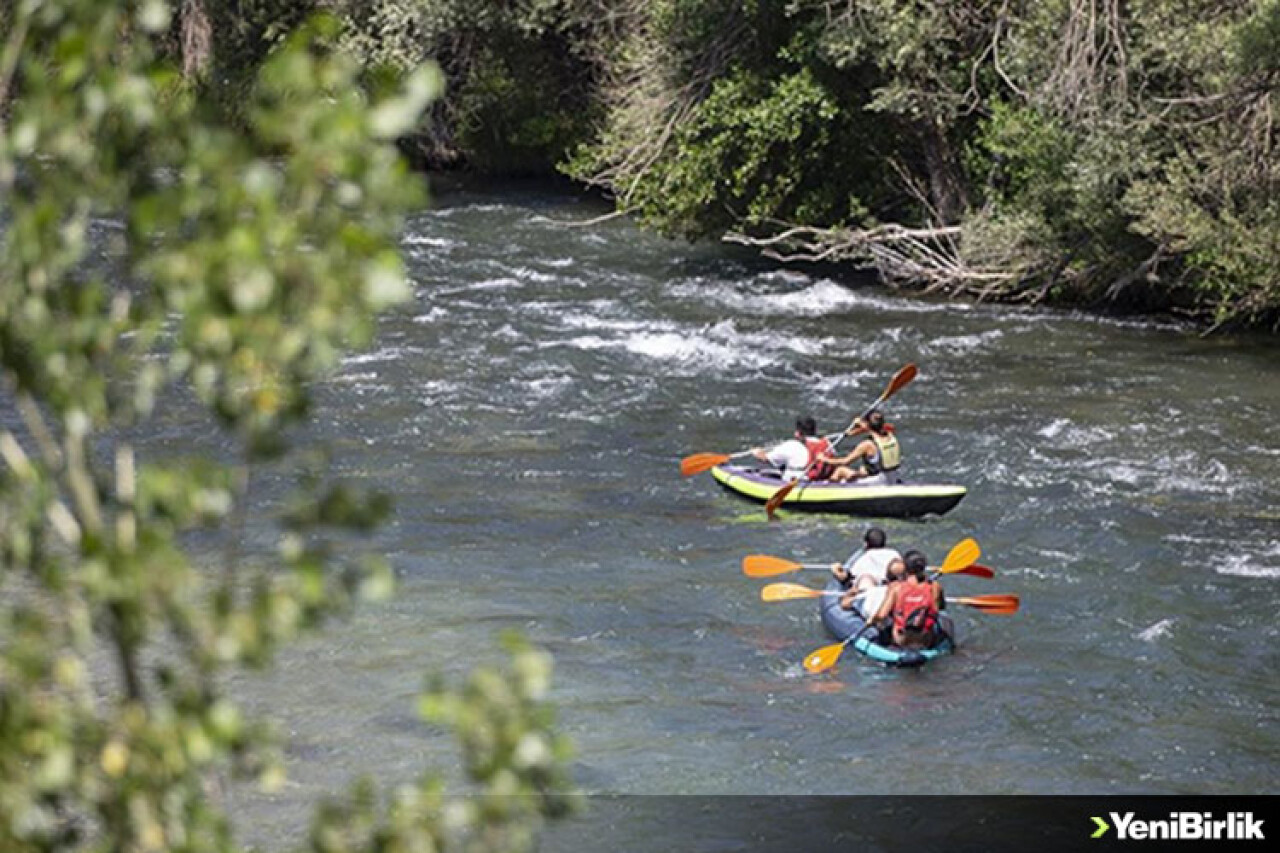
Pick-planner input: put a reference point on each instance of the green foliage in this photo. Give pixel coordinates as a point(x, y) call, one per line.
point(150, 248)
point(1039, 127)
point(1258, 40)
point(519, 74)
point(757, 151)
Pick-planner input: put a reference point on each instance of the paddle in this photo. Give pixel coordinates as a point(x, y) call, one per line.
point(959, 560)
point(899, 381)
point(791, 591)
point(699, 462)
point(763, 566)
point(1002, 605)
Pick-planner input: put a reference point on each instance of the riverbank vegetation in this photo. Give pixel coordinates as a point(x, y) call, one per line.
point(1073, 151)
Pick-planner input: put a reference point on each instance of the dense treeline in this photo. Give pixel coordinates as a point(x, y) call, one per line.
point(1084, 151)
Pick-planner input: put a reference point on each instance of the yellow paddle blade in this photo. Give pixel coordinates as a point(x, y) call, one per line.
point(699, 462)
point(824, 658)
point(788, 592)
point(763, 566)
point(965, 553)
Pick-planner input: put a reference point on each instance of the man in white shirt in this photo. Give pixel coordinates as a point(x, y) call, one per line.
point(866, 573)
point(792, 456)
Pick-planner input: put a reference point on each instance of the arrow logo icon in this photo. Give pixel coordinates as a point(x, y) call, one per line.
point(1102, 828)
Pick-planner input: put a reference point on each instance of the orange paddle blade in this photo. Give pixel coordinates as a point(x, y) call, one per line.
point(771, 505)
point(965, 553)
point(824, 658)
point(977, 571)
point(999, 604)
point(762, 566)
point(788, 592)
point(699, 462)
point(899, 381)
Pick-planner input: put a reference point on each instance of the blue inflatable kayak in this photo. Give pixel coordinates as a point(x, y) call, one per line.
point(849, 623)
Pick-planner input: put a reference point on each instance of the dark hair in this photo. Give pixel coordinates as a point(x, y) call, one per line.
point(915, 562)
point(875, 420)
point(874, 537)
point(807, 425)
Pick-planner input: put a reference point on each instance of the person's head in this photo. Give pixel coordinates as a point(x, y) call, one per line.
point(875, 420)
point(874, 537)
point(806, 425)
point(915, 563)
point(895, 571)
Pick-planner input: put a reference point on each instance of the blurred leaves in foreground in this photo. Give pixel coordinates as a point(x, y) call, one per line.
point(150, 252)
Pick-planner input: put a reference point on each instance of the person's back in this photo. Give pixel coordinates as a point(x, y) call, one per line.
point(866, 572)
point(915, 613)
point(913, 605)
point(873, 564)
point(794, 456)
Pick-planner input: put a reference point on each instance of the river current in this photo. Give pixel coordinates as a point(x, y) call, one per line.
point(528, 410)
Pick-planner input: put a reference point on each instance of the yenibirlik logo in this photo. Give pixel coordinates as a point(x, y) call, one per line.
point(1183, 826)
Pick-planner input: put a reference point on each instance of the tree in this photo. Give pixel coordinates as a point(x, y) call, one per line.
point(150, 249)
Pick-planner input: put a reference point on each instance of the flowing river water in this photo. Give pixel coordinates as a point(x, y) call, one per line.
point(528, 409)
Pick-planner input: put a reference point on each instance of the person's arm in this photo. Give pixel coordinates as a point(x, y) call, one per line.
point(939, 597)
point(859, 452)
point(847, 600)
point(886, 606)
point(840, 573)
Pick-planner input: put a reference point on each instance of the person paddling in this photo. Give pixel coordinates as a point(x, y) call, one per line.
point(867, 566)
point(868, 601)
point(877, 457)
point(800, 453)
point(913, 605)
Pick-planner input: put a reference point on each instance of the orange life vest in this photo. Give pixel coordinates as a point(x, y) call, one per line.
point(915, 611)
point(817, 446)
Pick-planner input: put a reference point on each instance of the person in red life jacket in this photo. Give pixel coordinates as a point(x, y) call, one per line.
point(801, 455)
point(913, 606)
point(876, 458)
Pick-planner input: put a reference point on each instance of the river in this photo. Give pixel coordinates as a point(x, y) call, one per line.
point(528, 409)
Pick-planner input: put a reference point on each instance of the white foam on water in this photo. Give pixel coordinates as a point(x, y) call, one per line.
point(529, 274)
point(1054, 429)
point(434, 242)
point(351, 378)
point(501, 283)
point(860, 380)
point(434, 392)
point(578, 320)
point(1260, 565)
point(433, 316)
point(820, 298)
point(384, 354)
point(546, 387)
point(960, 344)
point(1242, 566)
point(1155, 632)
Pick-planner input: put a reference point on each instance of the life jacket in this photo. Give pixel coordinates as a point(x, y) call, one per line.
point(888, 456)
point(817, 445)
point(915, 611)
